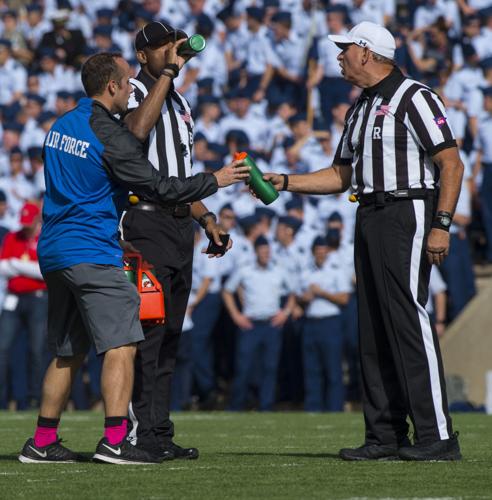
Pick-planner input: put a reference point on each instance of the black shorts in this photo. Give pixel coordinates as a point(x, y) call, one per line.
point(91, 303)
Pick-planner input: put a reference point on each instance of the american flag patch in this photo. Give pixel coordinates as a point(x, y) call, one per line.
point(186, 117)
point(440, 120)
point(382, 110)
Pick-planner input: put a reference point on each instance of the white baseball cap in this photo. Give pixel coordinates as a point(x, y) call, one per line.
point(371, 35)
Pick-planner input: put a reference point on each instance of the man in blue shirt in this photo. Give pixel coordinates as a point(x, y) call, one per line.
point(91, 161)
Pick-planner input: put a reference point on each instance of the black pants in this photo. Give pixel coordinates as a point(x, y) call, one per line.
point(167, 243)
point(402, 373)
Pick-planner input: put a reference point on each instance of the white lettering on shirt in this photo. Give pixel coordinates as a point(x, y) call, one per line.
point(68, 144)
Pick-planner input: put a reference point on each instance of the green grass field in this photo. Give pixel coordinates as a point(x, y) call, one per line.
point(247, 455)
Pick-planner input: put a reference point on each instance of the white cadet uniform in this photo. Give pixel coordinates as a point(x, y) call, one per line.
point(332, 277)
point(293, 259)
point(211, 131)
point(327, 57)
point(255, 127)
point(259, 52)
point(291, 53)
point(34, 34)
point(211, 63)
point(203, 267)
point(236, 43)
point(13, 78)
point(17, 189)
point(263, 288)
point(370, 10)
point(312, 156)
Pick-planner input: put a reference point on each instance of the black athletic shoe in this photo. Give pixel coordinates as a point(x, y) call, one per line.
point(446, 449)
point(52, 453)
point(177, 452)
point(123, 453)
point(373, 452)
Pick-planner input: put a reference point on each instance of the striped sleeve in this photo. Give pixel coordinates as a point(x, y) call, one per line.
point(428, 122)
point(138, 94)
point(343, 155)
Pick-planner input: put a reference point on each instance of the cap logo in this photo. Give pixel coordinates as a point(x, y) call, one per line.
point(362, 43)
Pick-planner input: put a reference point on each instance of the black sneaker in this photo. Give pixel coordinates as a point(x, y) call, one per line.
point(379, 452)
point(52, 453)
point(172, 449)
point(446, 449)
point(123, 453)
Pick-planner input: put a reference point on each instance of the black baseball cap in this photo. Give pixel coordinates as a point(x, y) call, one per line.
point(155, 33)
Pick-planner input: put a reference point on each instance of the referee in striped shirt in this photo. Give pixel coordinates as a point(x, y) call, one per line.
point(399, 154)
point(161, 118)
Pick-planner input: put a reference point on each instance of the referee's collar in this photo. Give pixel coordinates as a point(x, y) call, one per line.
point(387, 86)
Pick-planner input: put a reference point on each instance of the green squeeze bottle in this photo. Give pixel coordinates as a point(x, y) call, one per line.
point(263, 189)
point(194, 44)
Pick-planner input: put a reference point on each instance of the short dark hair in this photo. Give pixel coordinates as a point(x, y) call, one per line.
point(99, 70)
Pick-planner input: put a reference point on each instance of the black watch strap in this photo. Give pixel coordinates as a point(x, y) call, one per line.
point(171, 70)
point(203, 219)
point(285, 184)
point(442, 220)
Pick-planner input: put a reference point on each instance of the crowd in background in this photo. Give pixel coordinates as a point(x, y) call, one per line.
point(267, 83)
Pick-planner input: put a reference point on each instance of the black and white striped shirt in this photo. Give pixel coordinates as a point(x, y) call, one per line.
point(391, 134)
point(170, 143)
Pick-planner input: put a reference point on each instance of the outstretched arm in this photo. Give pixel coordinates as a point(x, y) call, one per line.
point(335, 179)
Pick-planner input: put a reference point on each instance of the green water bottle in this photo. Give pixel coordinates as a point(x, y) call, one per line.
point(194, 44)
point(263, 189)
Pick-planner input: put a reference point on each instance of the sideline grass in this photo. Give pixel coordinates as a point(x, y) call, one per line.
point(247, 455)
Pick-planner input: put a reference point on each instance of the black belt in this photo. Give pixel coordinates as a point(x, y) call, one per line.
point(380, 198)
point(174, 210)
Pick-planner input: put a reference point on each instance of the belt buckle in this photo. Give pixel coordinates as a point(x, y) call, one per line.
point(399, 193)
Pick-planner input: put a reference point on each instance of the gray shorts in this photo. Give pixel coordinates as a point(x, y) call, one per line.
point(91, 303)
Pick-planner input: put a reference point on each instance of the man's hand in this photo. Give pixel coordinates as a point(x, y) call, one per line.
point(243, 322)
point(307, 296)
point(316, 290)
point(276, 179)
point(440, 328)
point(171, 55)
point(213, 232)
point(280, 318)
point(297, 312)
point(233, 173)
point(259, 95)
point(127, 247)
point(437, 246)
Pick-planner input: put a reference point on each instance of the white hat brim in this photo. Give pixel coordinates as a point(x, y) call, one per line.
point(340, 39)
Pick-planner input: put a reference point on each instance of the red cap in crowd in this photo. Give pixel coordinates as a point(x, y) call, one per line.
point(29, 213)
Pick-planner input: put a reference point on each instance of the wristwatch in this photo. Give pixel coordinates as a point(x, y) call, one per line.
point(442, 220)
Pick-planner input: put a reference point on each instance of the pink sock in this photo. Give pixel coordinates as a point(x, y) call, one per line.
point(44, 436)
point(115, 433)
